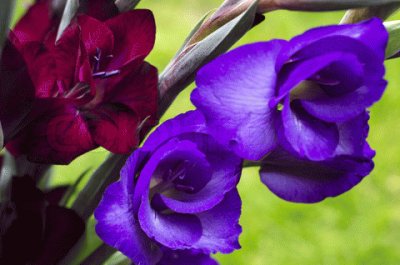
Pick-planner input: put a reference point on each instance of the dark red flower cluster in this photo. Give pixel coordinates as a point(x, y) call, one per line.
point(91, 86)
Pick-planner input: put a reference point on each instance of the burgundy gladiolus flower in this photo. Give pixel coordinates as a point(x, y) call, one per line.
point(92, 86)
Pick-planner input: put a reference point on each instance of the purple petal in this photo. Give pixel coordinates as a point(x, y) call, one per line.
point(159, 226)
point(189, 122)
point(118, 227)
point(370, 33)
point(185, 257)
point(305, 181)
point(233, 92)
point(226, 169)
point(352, 136)
point(221, 227)
point(293, 73)
point(308, 136)
point(345, 100)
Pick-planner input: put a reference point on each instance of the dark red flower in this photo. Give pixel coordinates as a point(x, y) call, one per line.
point(92, 86)
point(33, 228)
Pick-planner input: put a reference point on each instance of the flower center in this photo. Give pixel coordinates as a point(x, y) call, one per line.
point(100, 60)
point(171, 179)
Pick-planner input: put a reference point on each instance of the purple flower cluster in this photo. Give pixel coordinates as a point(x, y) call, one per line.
point(298, 108)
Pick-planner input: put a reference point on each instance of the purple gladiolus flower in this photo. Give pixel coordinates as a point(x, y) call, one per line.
point(299, 105)
point(176, 198)
point(293, 93)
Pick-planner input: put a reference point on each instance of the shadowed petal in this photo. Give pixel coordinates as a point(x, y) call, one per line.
point(299, 180)
point(61, 134)
point(114, 128)
point(185, 257)
point(308, 136)
point(100, 9)
point(63, 229)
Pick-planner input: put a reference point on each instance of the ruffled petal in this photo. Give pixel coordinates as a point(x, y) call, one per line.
point(36, 23)
point(118, 227)
point(299, 180)
point(233, 93)
point(308, 136)
point(136, 90)
point(189, 122)
point(114, 128)
point(96, 36)
point(57, 134)
point(135, 32)
point(370, 33)
point(352, 136)
point(221, 227)
point(163, 227)
point(185, 257)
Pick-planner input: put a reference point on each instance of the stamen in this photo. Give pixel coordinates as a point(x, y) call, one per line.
point(104, 74)
point(184, 188)
point(97, 58)
point(78, 91)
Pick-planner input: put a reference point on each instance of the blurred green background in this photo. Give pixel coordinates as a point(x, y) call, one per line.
point(359, 227)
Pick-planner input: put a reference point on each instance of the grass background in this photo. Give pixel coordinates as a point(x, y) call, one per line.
point(359, 227)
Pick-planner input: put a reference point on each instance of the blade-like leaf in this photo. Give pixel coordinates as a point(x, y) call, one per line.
point(393, 48)
point(99, 255)
point(91, 194)
point(381, 11)
point(180, 73)
point(125, 5)
point(71, 7)
point(6, 10)
point(8, 170)
point(192, 33)
point(319, 5)
point(71, 189)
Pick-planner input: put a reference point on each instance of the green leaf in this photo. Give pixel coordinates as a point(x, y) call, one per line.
point(393, 48)
point(181, 71)
point(71, 8)
point(68, 194)
point(99, 255)
point(194, 30)
point(6, 10)
point(90, 196)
